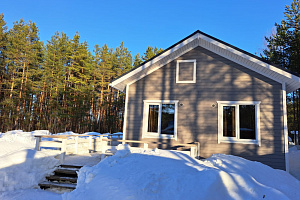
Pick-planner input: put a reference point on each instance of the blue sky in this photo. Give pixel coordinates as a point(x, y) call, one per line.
point(140, 23)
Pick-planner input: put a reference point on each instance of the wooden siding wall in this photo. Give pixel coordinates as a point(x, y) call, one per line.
point(218, 79)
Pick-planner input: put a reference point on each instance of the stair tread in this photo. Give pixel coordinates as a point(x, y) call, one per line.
point(62, 178)
point(70, 166)
point(60, 185)
point(109, 153)
point(66, 170)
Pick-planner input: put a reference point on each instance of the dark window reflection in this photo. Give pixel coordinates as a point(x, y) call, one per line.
point(228, 121)
point(153, 118)
point(167, 119)
point(247, 122)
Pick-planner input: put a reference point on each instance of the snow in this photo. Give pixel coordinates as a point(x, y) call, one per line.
point(160, 174)
point(13, 141)
point(291, 141)
point(92, 133)
point(259, 178)
point(294, 158)
point(21, 166)
point(30, 194)
point(83, 159)
point(134, 173)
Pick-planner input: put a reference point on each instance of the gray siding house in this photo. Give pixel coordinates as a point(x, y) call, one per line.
point(204, 90)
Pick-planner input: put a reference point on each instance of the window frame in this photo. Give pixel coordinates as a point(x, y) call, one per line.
point(237, 139)
point(147, 134)
point(194, 71)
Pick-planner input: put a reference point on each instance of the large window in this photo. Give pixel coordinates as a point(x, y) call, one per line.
point(238, 121)
point(160, 119)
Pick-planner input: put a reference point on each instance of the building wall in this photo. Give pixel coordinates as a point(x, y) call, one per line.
point(218, 79)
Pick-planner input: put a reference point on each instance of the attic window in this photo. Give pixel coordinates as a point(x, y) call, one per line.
point(186, 71)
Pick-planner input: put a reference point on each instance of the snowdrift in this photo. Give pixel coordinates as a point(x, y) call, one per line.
point(160, 174)
point(294, 159)
point(21, 166)
point(135, 173)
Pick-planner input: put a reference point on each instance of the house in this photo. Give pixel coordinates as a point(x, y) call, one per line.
point(204, 90)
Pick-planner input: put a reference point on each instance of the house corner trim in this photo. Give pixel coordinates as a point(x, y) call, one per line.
point(285, 128)
point(125, 113)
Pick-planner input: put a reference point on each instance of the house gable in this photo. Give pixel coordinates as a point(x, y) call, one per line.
point(214, 45)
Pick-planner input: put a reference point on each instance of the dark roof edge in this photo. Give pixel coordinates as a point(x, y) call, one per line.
point(218, 40)
point(157, 55)
point(250, 54)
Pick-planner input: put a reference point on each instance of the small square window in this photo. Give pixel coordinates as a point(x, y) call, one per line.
point(186, 71)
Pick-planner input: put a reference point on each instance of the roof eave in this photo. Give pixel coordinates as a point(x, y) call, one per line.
point(292, 80)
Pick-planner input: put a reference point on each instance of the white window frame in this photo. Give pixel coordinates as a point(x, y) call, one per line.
point(147, 134)
point(237, 139)
point(177, 71)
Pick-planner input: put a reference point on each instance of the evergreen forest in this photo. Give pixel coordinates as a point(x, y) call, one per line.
point(283, 49)
point(60, 85)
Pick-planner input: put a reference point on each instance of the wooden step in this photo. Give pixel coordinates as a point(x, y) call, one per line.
point(62, 179)
point(47, 184)
point(109, 153)
point(71, 166)
point(66, 171)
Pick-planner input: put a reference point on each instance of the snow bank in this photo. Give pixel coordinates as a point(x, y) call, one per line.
point(92, 133)
point(294, 159)
point(21, 166)
point(12, 141)
point(134, 173)
point(30, 194)
point(67, 133)
point(254, 178)
point(159, 174)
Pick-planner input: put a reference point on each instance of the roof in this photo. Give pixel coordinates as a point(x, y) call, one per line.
point(217, 46)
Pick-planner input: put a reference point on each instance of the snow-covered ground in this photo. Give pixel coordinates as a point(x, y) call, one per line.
point(143, 174)
point(22, 167)
point(294, 157)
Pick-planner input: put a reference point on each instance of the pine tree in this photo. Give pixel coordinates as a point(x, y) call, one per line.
point(151, 52)
point(137, 60)
point(283, 48)
point(3, 72)
point(122, 60)
point(33, 74)
point(50, 100)
point(3, 44)
point(24, 53)
point(103, 69)
point(79, 87)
